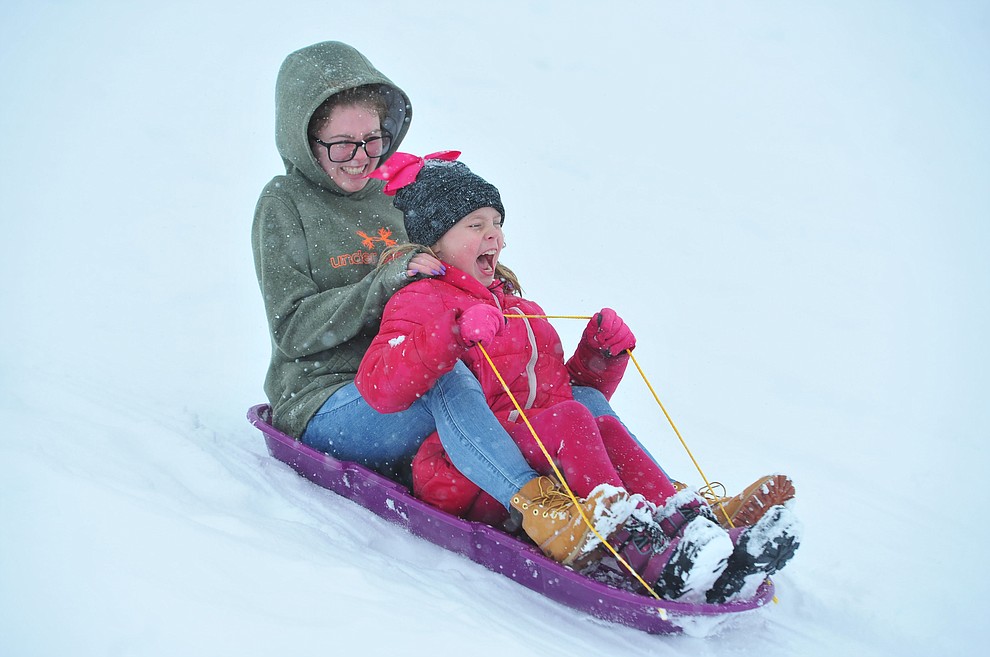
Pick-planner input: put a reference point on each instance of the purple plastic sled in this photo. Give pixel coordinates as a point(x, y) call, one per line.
point(490, 547)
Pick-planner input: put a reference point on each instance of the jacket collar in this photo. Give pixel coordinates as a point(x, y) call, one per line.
point(471, 285)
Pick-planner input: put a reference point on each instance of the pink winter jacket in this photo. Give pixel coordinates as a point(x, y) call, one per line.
point(419, 342)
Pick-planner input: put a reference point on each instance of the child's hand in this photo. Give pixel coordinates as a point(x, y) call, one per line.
point(609, 334)
point(425, 264)
point(480, 323)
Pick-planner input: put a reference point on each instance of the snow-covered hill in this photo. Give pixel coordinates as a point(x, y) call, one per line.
point(787, 201)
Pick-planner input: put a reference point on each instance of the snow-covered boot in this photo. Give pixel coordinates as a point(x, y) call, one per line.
point(550, 518)
point(748, 507)
point(761, 550)
point(641, 542)
point(699, 549)
point(680, 509)
point(679, 567)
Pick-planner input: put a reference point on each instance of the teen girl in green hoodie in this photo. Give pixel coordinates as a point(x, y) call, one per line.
point(317, 236)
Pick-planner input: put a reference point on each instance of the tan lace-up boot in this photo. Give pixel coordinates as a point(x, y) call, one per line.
point(550, 518)
point(749, 506)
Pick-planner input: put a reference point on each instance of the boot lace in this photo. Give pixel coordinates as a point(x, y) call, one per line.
point(553, 500)
point(709, 494)
point(646, 537)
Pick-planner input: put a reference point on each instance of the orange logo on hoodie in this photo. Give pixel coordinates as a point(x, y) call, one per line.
point(384, 237)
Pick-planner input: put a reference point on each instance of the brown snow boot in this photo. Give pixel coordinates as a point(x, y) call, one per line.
point(748, 507)
point(550, 518)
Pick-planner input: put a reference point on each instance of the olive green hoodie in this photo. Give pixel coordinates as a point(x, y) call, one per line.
point(316, 247)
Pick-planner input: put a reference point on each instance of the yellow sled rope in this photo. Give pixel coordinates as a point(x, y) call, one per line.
point(563, 482)
point(709, 486)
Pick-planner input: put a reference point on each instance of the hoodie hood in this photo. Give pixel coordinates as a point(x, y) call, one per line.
point(306, 79)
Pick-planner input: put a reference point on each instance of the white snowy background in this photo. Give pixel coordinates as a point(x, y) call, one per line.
point(788, 201)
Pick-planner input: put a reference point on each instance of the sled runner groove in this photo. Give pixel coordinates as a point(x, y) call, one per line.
point(488, 546)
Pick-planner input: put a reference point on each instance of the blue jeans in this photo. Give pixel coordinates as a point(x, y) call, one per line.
point(347, 428)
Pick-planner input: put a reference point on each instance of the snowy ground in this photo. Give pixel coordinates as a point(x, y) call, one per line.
point(788, 201)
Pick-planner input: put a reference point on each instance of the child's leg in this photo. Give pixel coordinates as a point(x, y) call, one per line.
point(640, 473)
point(487, 509)
point(596, 402)
point(347, 428)
point(437, 481)
point(570, 433)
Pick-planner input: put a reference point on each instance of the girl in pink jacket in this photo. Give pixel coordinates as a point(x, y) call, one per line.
point(431, 324)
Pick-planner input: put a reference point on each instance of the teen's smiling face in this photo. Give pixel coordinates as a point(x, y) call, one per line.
point(348, 123)
point(474, 244)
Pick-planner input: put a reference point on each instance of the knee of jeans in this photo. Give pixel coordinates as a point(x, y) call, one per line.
point(462, 371)
point(587, 393)
point(594, 400)
point(459, 380)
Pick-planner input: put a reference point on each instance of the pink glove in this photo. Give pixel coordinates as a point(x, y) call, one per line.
point(480, 323)
point(609, 334)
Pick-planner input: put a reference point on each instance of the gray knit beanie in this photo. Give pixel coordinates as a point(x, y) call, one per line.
point(443, 194)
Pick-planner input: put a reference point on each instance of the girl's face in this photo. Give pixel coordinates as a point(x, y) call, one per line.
point(474, 244)
point(348, 123)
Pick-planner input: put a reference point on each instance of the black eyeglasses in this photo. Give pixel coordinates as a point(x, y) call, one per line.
point(344, 151)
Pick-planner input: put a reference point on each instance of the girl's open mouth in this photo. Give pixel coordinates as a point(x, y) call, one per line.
point(486, 262)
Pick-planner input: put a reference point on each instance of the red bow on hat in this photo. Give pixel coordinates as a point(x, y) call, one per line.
point(402, 169)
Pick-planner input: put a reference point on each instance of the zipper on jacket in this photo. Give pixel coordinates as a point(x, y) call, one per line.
point(530, 366)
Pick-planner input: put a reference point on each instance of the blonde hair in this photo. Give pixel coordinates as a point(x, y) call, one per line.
point(502, 273)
